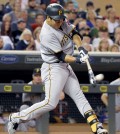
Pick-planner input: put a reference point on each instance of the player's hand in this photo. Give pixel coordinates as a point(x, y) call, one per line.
point(84, 58)
point(82, 51)
point(80, 59)
point(83, 55)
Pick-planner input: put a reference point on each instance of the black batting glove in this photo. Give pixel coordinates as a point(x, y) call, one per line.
point(82, 51)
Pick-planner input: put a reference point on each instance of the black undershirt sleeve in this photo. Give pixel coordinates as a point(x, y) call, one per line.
point(61, 56)
point(76, 32)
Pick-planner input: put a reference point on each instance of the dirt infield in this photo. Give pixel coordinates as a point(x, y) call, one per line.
point(63, 129)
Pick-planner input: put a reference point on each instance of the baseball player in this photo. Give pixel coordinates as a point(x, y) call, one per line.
point(104, 98)
point(57, 40)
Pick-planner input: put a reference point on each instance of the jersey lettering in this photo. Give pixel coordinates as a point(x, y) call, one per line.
point(64, 40)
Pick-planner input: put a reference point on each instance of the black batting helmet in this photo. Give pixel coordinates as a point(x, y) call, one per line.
point(55, 11)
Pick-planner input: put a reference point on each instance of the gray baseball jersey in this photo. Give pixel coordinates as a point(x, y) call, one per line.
point(53, 41)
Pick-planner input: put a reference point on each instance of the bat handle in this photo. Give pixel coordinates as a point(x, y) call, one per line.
point(90, 72)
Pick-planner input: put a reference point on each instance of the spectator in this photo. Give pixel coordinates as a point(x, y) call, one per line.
point(104, 98)
point(112, 21)
point(91, 18)
point(7, 6)
point(72, 17)
point(117, 36)
point(75, 3)
point(21, 25)
point(36, 34)
point(7, 40)
point(32, 11)
point(23, 16)
point(16, 11)
point(84, 31)
point(6, 17)
point(86, 39)
point(82, 24)
point(102, 34)
point(5, 44)
point(108, 6)
point(103, 46)
point(95, 30)
point(90, 5)
point(6, 29)
point(24, 4)
point(69, 6)
point(82, 14)
point(72, 13)
point(39, 19)
point(26, 41)
point(43, 4)
point(114, 48)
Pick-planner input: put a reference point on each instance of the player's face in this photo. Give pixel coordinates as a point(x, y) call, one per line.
point(37, 79)
point(57, 23)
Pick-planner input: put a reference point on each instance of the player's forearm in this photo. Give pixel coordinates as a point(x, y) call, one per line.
point(69, 59)
point(104, 99)
point(105, 102)
point(77, 40)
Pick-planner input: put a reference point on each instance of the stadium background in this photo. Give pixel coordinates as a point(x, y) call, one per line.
point(98, 3)
point(70, 110)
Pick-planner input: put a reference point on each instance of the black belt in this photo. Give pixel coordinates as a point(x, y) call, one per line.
point(55, 62)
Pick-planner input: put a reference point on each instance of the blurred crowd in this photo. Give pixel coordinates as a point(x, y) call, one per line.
point(21, 22)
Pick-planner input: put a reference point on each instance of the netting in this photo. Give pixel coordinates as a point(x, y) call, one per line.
point(66, 111)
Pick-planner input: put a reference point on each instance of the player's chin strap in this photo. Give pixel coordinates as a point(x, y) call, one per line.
point(91, 118)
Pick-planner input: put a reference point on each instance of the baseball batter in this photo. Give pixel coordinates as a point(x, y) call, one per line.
point(58, 38)
point(104, 98)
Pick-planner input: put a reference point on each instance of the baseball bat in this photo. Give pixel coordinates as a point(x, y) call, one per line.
point(90, 73)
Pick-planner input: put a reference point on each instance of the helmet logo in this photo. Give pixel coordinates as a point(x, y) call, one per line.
point(60, 12)
point(37, 70)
